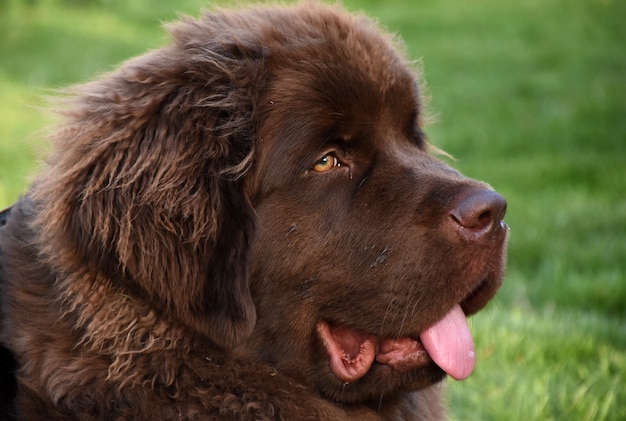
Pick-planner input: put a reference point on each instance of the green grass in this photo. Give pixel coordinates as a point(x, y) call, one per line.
point(529, 95)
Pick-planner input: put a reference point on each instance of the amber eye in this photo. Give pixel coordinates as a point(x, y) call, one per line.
point(326, 163)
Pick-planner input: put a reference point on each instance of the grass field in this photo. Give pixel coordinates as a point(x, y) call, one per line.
point(529, 95)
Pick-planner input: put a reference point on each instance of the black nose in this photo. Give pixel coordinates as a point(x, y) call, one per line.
point(478, 213)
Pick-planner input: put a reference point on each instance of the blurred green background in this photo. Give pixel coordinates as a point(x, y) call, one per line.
point(529, 95)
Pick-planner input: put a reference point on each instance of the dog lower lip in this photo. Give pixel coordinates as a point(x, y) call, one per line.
point(402, 354)
point(468, 302)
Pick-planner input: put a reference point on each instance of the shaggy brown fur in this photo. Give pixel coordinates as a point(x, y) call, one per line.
point(245, 224)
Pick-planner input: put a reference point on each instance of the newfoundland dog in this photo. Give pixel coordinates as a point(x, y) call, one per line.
point(247, 224)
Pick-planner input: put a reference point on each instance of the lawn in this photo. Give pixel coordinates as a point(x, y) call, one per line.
point(528, 95)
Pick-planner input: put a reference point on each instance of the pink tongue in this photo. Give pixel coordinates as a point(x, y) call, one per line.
point(449, 343)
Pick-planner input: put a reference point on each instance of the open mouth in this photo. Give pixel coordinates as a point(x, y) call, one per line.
point(448, 343)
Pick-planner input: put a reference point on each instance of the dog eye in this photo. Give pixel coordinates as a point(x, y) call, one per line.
point(326, 163)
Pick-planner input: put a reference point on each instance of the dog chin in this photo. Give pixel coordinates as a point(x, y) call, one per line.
point(381, 383)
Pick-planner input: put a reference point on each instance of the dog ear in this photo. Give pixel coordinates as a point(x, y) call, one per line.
point(147, 184)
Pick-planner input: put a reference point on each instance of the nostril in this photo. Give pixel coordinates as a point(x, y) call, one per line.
point(477, 212)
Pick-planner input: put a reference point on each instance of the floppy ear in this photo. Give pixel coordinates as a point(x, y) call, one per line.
point(147, 184)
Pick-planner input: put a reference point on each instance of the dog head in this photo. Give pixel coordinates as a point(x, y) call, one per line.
point(265, 180)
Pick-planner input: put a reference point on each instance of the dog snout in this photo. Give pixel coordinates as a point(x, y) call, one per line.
point(479, 213)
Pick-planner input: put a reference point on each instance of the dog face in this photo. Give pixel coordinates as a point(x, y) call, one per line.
point(364, 241)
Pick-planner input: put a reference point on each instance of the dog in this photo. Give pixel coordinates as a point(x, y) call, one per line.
point(248, 224)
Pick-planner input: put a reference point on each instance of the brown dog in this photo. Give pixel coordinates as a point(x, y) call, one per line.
point(247, 225)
